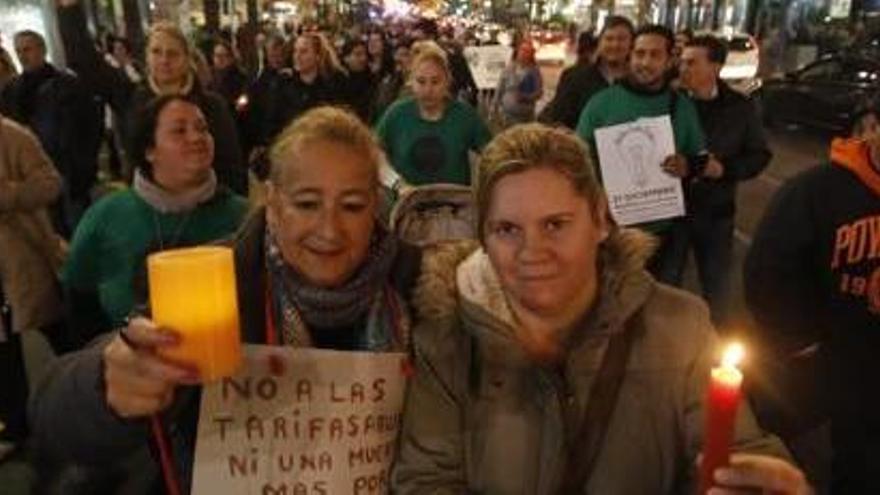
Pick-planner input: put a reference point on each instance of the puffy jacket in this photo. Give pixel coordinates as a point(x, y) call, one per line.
point(480, 417)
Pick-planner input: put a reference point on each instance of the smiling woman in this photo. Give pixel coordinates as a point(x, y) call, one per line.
point(174, 201)
point(314, 268)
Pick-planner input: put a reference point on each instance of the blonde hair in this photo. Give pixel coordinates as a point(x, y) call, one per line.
point(324, 123)
point(430, 51)
point(530, 146)
point(328, 61)
point(171, 30)
point(174, 32)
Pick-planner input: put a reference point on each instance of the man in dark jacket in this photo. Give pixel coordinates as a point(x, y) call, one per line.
point(579, 83)
point(738, 148)
point(66, 119)
point(812, 279)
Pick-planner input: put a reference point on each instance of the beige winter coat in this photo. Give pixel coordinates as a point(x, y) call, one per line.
point(30, 252)
point(480, 417)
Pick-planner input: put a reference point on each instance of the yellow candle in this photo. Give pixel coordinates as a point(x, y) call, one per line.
point(193, 292)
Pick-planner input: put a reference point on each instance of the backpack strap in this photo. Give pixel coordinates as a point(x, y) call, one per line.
point(587, 442)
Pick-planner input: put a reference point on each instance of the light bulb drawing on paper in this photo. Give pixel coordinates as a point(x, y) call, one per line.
point(636, 147)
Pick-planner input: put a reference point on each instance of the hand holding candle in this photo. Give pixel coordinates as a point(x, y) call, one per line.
point(721, 406)
point(193, 292)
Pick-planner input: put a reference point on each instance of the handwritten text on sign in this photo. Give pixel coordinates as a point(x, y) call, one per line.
point(300, 422)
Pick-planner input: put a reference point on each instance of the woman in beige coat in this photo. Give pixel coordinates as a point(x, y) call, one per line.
point(515, 335)
point(30, 254)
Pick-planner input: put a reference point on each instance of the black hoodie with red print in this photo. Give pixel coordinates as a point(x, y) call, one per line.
point(812, 275)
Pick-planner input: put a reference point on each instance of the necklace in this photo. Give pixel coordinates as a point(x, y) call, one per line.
point(177, 233)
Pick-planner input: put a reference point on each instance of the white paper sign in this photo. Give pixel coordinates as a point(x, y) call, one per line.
point(303, 421)
point(630, 156)
point(487, 63)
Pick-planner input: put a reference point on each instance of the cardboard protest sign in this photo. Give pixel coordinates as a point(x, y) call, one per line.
point(487, 63)
point(301, 421)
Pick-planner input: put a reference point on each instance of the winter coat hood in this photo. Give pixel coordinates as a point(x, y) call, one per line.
point(458, 279)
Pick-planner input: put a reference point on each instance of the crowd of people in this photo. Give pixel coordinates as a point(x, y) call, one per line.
point(509, 331)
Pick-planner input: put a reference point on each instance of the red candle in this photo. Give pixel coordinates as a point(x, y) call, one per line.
point(722, 403)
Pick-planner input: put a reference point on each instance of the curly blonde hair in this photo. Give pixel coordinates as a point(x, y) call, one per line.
point(529, 146)
point(324, 123)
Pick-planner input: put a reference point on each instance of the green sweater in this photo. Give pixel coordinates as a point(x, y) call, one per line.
point(425, 152)
point(105, 273)
point(619, 104)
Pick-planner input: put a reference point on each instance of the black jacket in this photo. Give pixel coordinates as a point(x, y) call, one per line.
point(295, 97)
point(734, 134)
point(230, 85)
point(263, 99)
point(66, 118)
point(361, 94)
point(577, 85)
point(812, 275)
point(129, 99)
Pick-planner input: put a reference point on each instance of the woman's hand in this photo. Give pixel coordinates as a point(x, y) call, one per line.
point(751, 473)
point(139, 382)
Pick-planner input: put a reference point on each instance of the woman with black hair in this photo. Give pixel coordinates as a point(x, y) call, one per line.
point(380, 53)
point(227, 79)
point(362, 82)
point(174, 201)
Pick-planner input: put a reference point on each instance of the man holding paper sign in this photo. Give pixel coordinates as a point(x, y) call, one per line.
point(315, 270)
point(637, 129)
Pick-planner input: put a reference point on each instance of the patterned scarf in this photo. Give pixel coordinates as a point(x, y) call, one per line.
point(298, 305)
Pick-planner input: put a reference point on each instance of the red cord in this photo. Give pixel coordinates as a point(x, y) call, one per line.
point(166, 458)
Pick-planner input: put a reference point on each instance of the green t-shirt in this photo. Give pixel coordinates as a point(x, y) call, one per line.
point(426, 152)
point(617, 105)
point(107, 257)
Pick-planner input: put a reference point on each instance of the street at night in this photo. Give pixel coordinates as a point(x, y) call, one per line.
point(295, 247)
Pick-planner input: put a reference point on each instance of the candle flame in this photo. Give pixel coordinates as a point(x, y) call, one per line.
point(733, 355)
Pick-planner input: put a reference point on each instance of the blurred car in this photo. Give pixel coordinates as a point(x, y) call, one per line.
point(741, 68)
point(823, 94)
point(550, 45)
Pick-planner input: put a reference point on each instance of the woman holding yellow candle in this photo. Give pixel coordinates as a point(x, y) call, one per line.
point(314, 269)
point(549, 361)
